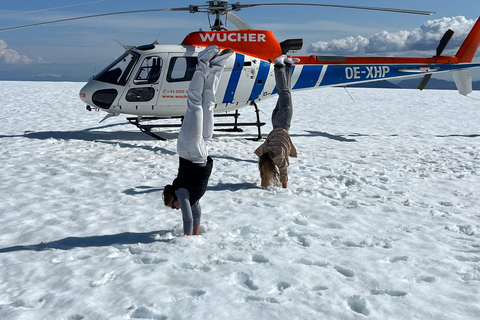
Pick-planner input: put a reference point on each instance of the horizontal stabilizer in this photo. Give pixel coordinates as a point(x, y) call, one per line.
point(463, 80)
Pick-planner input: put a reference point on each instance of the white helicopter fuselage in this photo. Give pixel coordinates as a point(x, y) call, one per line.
point(153, 80)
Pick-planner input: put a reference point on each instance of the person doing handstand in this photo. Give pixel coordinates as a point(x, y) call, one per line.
point(274, 153)
point(195, 165)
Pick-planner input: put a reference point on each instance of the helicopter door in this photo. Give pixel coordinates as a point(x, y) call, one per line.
point(239, 84)
point(175, 89)
point(141, 93)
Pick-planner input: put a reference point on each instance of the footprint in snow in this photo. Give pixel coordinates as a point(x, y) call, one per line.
point(310, 263)
point(348, 273)
point(75, 317)
point(398, 259)
point(106, 278)
point(282, 286)
point(300, 239)
point(244, 280)
point(258, 258)
point(359, 304)
point(258, 299)
point(145, 313)
point(428, 279)
point(151, 261)
point(318, 290)
point(391, 293)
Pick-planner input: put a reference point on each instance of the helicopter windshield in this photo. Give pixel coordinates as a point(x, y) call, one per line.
point(119, 71)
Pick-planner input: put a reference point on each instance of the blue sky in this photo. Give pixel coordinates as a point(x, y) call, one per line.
point(82, 48)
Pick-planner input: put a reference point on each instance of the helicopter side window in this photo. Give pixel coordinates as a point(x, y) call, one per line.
point(149, 71)
point(119, 71)
point(181, 69)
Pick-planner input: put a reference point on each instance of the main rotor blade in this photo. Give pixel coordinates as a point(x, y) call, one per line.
point(94, 16)
point(235, 7)
point(237, 21)
point(239, 6)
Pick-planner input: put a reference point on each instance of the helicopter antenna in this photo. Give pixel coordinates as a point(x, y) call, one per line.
point(159, 33)
point(345, 87)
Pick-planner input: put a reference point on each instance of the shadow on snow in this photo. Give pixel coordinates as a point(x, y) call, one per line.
point(94, 241)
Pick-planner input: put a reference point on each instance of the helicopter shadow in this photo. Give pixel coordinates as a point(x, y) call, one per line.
point(91, 134)
point(474, 135)
point(342, 138)
point(234, 159)
point(339, 138)
point(141, 190)
point(232, 186)
point(94, 241)
point(120, 137)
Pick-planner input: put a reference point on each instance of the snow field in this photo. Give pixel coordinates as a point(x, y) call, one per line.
point(380, 220)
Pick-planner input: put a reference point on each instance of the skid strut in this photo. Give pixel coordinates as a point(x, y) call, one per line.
point(147, 128)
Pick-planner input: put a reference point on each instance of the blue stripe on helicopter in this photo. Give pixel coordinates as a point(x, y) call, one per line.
point(259, 84)
point(308, 77)
point(345, 74)
point(234, 77)
point(338, 74)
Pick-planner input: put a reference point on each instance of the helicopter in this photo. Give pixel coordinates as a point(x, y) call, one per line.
point(150, 82)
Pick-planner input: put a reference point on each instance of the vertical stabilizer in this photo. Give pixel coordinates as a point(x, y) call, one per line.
point(463, 80)
point(469, 47)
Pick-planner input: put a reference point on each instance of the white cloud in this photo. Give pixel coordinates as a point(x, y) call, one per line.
point(420, 40)
point(10, 56)
point(351, 45)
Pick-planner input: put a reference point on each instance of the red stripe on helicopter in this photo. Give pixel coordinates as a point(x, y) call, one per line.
point(376, 60)
point(257, 43)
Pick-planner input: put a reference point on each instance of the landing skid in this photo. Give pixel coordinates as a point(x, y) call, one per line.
point(147, 128)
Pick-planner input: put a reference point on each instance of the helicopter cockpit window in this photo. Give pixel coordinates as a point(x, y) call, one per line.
point(149, 71)
point(119, 71)
point(181, 69)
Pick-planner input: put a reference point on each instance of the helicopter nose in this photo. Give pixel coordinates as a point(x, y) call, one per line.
point(93, 94)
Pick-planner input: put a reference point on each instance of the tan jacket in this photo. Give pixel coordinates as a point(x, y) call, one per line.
point(280, 147)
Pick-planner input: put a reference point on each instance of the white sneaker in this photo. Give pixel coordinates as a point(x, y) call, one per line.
point(208, 53)
point(280, 61)
point(291, 61)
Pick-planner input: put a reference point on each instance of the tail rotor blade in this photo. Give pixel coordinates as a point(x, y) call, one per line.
point(444, 41)
point(424, 82)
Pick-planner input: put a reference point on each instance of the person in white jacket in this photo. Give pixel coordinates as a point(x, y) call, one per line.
point(195, 166)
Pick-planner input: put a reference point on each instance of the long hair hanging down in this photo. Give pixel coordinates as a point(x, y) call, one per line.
point(268, 171)
point(169, 195)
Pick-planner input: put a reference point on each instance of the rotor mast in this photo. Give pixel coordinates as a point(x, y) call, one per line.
point(218, 9)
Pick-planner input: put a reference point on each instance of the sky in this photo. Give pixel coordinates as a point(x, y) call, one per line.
point(80, 49)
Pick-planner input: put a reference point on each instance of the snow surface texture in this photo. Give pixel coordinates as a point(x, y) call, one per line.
point(380, 220)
